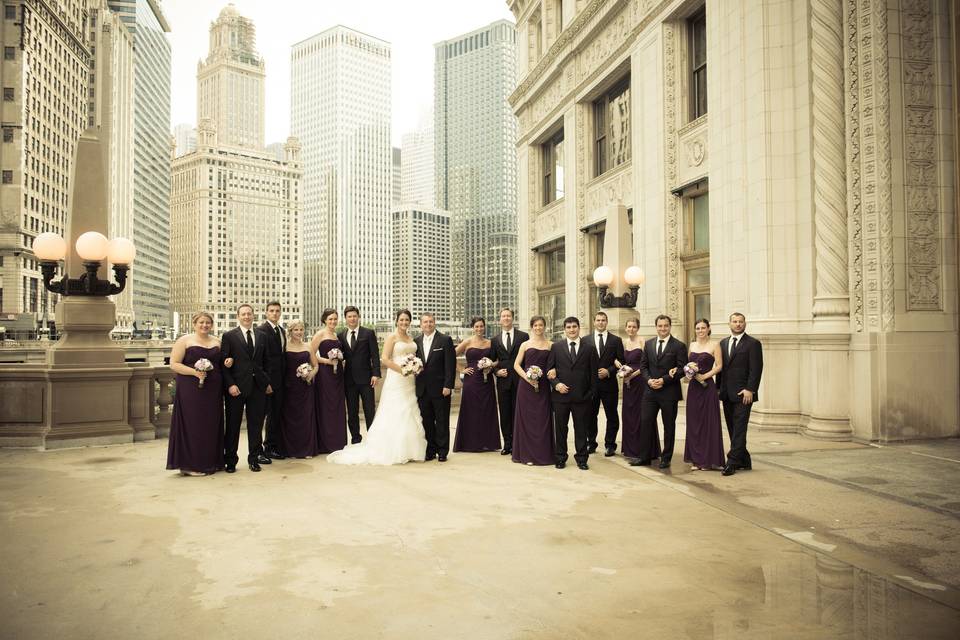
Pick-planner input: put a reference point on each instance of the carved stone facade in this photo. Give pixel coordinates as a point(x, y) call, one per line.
point(830, 166)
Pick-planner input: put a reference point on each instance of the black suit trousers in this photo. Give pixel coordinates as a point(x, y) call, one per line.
point(737, 416)
point(654, 403)
point(255, 404)
point(355, 394)
point(435, 411)
point(609, 400)
point(581, 423)
point(274, 418)
point(506, 401)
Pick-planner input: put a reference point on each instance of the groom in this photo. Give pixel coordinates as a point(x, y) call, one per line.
point(435, 385)
point(361, 371)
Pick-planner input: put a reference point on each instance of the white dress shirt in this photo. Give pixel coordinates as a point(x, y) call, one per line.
point(427, 343)
point(596, 339)
point(730, 342)
point(283, 337)
point(505, 335)
point(253, 334)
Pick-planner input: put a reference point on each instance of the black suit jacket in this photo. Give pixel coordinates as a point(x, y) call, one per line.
point(580, 374)
point(506, 359)
point(439, 369)
point(674, 355)
point(612, 350)
point(742, 370)
point(363, 362)
point(275, 358)
point(248, 371)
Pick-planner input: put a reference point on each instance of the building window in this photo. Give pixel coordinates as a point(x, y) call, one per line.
point(697, 27)
point(8, 94)
point(611, 124)
point(9, 53)
point(551, 298)
point(10, 12)
point(695, 255)
point(552, 155)
point(7, 177)
point(7, 134)
point(595, 241)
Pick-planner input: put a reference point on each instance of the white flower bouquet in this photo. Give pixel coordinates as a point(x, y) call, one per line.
point(623, 372)
point(534, 374)
point(203, 366)
point(485, 364)
point(304, 371)
point(337, 356)
point(411, 365)
point(690, 370)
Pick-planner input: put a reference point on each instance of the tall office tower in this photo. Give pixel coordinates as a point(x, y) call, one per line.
point(397, 169)
point(421, 260)
point(184, 139)
point(275, 150)
point(151, 161)
point(417, 171)
point(235, 210)
point(110, 110)
point(340, 111)
point(476, 166)
point(46, 54)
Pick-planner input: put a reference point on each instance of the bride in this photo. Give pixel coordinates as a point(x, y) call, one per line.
point(396, 434)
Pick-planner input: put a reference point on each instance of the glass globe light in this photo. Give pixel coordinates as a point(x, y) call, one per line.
point(603, 276)
point(121, 251)
point(49, 247)
point(92, 246)
point(634, 276)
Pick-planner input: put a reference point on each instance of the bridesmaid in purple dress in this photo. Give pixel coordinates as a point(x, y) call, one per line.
point(331, 407)
point(633, 387)
point(478, 424)
point(704, 444)
point(196, 428)
point(299, 417)
point(533, 417)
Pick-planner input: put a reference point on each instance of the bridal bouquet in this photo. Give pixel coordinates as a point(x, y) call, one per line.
point(690, 370)
point(203, 365)
point(534, 374)
point(303, 372)
point(623, 372)
point(485, 364)
point(337, 356)
point(411, 364)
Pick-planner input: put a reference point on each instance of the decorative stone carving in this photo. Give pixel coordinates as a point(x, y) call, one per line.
point(693, 141)
point(923, 252)
point(614, 188)
point(671, 37)
point(855, 226)
point(831, 297)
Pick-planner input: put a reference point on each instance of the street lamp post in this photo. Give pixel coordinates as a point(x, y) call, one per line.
point(603, 277)
point(93, 247)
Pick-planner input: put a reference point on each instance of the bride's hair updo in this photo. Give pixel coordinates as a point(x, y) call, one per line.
point(402, 312)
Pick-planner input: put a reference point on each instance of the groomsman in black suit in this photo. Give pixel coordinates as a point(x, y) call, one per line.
point(506, 345)
point(276, 345)
point(361, 371)
point(739, 385)
point(572, 371)
point(435, 385)
point(662, 365)
point(609, 348)
point(248, 386)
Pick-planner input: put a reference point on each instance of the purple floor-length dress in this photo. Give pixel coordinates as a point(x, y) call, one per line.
point(704, 444)
point(196, 427)
point(331, 406)
point(478, 427)
point(632, 398)
point(533, 416)
point(299, 402)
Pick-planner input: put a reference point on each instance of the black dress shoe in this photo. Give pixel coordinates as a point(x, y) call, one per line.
point(560, 465)
point(274, 454)
point(230, 468)
point(639, 463)
point(745, 467)
point(729, 469)
point(583, 466)
point(664, 464)
point(254, 466)
point(592, 448)
point(506, 452)
point(441, 458)
point(611, 451)
point(262, 459)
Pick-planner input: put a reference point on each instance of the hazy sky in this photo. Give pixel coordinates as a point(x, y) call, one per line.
point(412, 27)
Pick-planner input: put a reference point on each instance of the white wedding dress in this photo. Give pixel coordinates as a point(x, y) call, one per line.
point(396, 435)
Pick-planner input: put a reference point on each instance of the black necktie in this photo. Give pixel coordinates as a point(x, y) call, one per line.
point(249, 342)
point(353, 339)
point(733, 345)
point(573, 350)
point(601, 343)
point(509, 343)
point(660, 348)
point(276, 330)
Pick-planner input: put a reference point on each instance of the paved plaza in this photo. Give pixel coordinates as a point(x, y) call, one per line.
point(820, 540)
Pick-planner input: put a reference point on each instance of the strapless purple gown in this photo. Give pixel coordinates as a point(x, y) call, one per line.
point(704, 444)
point(331, 406)
point(630, 445)
point(533, 416)
point(196, 427)
point(299, 402)
point(478, 426)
